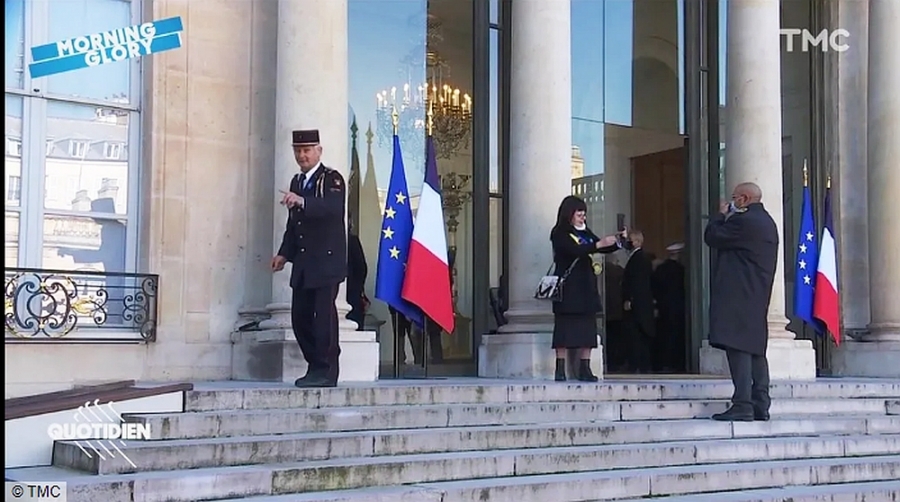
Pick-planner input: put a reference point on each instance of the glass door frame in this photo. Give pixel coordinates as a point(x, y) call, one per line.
point(702, 145)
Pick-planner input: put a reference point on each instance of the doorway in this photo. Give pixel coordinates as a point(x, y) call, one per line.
point(660, 202)
point(659, 209)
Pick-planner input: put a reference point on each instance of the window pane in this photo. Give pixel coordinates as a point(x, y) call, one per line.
point(15, 43)
point(81, 243)
point(75, 18)
point(12, 239)
point(495, 111)
point(13, 150)
point(87, 159)
point(495, 11)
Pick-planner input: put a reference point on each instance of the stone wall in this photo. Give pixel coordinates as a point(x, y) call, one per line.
point(208, 150)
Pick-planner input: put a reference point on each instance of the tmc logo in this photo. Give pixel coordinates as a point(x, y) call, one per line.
point(826, 40)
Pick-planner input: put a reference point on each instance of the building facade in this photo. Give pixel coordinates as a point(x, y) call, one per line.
point(147, 189)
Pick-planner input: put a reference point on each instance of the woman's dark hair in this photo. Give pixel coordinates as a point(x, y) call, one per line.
point(567, 208)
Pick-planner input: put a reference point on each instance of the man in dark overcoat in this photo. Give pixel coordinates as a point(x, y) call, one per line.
point(315, 242)
point(637, 294)
point(671, 303)
point(745, 238)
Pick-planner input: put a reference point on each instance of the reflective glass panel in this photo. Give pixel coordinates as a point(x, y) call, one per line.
point(15, 43)
point(86, 166)
point(74, 18)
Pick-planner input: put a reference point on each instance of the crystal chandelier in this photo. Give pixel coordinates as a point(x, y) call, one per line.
point(452, 119)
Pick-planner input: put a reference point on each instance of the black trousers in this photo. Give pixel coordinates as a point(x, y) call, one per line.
point(750, 376)
point(640, 357)
point(315, 322)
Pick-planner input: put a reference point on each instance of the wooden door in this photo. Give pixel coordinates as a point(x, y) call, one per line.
point(659, 198)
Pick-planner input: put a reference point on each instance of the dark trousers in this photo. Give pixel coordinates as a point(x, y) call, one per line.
point(750, 376)
point(616, 347)
point(315, 322)
point(640, 358)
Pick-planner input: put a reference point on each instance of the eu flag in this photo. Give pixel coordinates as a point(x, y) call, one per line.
point(806, 265)
point(393, 247)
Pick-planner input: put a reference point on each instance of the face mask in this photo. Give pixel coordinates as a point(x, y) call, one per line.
point(732, 208)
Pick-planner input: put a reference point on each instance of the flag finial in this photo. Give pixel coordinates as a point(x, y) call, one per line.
point(430, 117)
point(805, 173)
point(828, 182)
point(395, 118)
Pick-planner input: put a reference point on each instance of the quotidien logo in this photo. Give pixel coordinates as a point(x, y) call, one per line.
point(98, 430)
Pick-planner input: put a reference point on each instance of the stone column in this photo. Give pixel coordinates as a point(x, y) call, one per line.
point(311, 93)
point(540, 166)
point(877, 353)
point(753, 153)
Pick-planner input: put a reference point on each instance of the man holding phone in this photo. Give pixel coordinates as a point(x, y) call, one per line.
point(315, 242)
point(745, 238)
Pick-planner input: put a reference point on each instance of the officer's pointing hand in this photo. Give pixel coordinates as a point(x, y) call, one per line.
point(291, 200)
point(278, 262)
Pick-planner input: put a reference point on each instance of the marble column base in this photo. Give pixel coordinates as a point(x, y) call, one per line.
point(866, 359)
point(788, 360)
point(525, 355)
point(274, 356)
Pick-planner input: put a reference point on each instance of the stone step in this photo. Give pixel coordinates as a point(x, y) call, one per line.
point(651, 483)
point(893, 407)
point(210, 452)
point(284, 421)
point(234, 396)
point(877, 491)
point(222, 482)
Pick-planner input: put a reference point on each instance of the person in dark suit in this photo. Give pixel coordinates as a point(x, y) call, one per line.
point(637, 294)
point(357, 270)
point(669, 293)
point(575, 315)
point(745, 238)
point(616, 346)
point(315, 243)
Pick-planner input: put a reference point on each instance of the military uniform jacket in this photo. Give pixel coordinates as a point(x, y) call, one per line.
point(315, 237)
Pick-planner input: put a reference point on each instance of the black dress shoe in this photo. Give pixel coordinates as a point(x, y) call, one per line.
point(314, 382)
point(734, 415)
point(761, 416)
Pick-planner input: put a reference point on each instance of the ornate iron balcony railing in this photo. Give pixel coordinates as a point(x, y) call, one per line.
point(66, 306)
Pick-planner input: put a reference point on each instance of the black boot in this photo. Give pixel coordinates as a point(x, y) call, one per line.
point(560, 370)
point(584, 371)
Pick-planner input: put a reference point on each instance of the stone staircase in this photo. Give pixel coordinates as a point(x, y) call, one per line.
point(487, 440)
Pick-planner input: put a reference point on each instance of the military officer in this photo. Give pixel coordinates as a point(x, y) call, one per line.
point(315, 243)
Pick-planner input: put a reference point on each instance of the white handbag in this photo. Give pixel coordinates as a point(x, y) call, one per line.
point(550, 287)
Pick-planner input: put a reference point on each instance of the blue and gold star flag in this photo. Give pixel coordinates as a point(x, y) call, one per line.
point(806, 264)
point(393, 248)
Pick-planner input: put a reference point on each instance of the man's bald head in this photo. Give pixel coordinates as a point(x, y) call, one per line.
point(746, 193)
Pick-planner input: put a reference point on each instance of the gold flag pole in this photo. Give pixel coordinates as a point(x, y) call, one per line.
point(395, 117)
point(805, 173)
point(430, 117)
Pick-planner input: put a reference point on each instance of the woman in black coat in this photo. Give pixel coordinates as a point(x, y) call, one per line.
point(575, 314)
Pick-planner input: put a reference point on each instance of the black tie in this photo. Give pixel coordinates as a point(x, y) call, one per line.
point(302, 182)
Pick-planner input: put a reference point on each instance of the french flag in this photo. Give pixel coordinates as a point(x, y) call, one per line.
point(427, 281)
point(826, 304)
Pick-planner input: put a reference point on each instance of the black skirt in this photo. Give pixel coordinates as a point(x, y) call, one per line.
point(574, 331)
